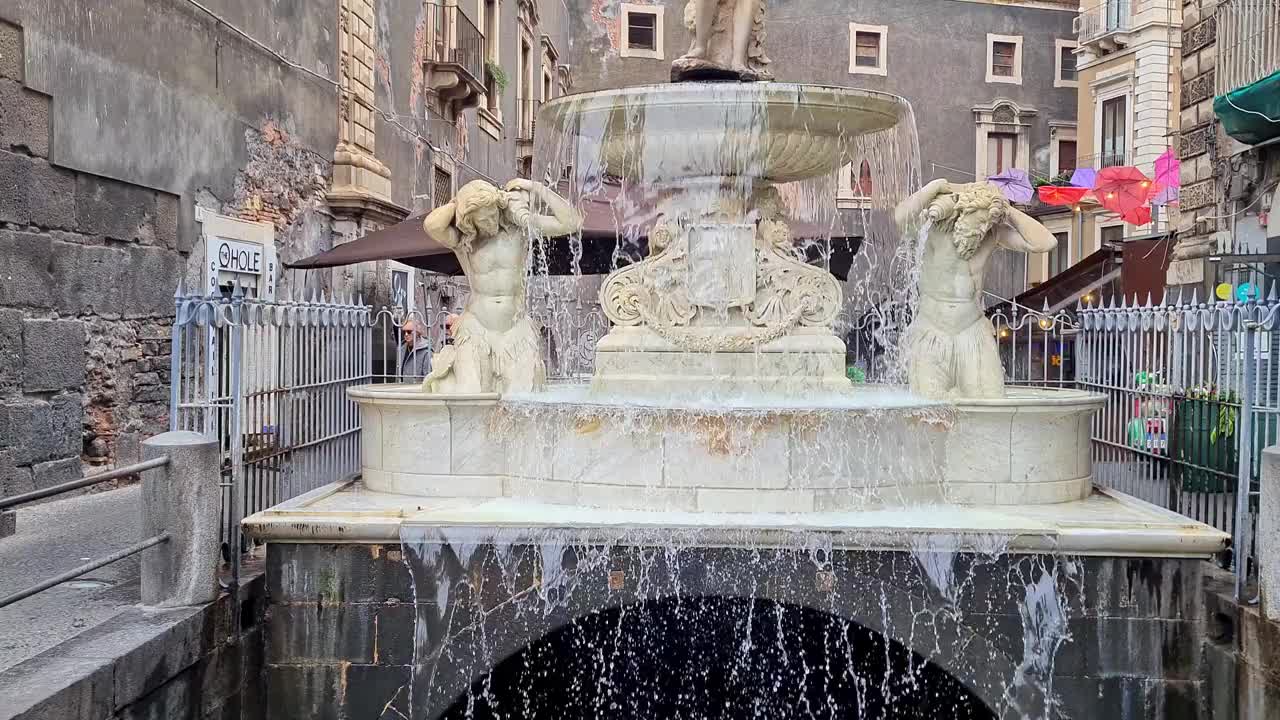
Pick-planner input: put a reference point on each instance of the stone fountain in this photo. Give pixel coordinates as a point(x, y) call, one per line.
point(718, 425)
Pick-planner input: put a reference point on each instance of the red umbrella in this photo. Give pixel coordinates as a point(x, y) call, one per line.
point(1058, 195)
point(1122, 189)
point(1138, 216)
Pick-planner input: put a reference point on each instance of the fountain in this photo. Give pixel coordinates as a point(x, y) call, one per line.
point(502, 529)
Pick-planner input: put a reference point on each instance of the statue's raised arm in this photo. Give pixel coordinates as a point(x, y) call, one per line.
point(439, 225)
point(563, 220)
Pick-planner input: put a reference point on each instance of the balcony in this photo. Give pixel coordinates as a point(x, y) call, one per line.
point(1106, 24)
point(1248, 42)
point(454, 58)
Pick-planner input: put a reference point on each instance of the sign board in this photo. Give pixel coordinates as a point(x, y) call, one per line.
point(401, 289)
point(236, 256)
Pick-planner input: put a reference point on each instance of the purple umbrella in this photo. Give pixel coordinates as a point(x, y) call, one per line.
point(1084, 177)
point(1014, 184)
point(1168, 196)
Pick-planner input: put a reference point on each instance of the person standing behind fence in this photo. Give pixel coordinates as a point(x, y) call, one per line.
point(415, 351)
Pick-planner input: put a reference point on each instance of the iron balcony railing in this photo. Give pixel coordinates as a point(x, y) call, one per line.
point(453, 38)
point(1108, 17)
point(1248, 42)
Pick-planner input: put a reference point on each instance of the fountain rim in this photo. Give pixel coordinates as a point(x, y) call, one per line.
point(767, 91)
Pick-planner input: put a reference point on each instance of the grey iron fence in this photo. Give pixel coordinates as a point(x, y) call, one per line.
point(268, 379)
point(1193, 395)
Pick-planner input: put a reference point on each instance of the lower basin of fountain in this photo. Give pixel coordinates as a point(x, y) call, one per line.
point(865, 448)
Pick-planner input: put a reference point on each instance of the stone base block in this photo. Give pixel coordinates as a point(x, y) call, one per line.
point(8, 523)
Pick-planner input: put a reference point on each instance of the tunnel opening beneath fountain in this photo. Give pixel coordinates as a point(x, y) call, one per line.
point(716, 657)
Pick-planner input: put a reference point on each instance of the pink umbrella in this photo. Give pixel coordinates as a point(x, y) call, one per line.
point(1084, 177)
point(1014, 184)
point(1169, 170)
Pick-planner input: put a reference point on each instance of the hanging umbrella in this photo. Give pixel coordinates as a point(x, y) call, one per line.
point(1167, 196)
point(1122, 189)
point(1084, 177)
point(1137, 216)
point(1066, 196)
point(1169, 170)
point(1014, 184)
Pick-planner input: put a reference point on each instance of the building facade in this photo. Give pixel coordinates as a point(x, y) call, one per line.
point(144, 141)
point(1128, 85)
point(1229, 231)
point(986, 80)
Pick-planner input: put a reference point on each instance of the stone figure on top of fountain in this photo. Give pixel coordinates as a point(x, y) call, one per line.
point(951, 350)
point(495, 346)
point(728, 42)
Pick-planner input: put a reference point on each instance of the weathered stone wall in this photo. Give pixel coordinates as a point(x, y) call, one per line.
point(1198, 145)
point(357, 626)
point(191, 663)
point(83, 305)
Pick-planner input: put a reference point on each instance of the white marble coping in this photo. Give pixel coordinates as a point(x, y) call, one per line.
point(411, 394)
point(1107, 523)
point(1032, 398)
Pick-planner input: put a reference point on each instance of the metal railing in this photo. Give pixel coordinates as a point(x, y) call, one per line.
point(1104, 18)
point(527, 118)
point(1193, 395)
point(453, 38)
point(1248, 42)
point(116, 474)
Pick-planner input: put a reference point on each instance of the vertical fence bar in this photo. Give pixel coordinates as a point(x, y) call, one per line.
point(1244, 476)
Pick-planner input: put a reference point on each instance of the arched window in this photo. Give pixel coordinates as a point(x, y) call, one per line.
point(862, 183)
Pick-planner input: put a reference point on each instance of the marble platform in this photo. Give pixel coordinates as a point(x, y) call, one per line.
point(1107, 523)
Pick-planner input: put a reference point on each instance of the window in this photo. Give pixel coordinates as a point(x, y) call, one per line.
point(867, 49)
point(492, 94)
point(443, 186)
point(524, 91)
point(1113, 235)
point(1060, 258)
point(1065, 74)
point(641, 32)
point(862, 183)
point(1002, 152)
point(1004, 59)
point(1066, 156)
point(1115, 116)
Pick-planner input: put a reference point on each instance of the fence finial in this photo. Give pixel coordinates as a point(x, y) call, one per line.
point(1271, 294)
point(1046, 306)
point(1195, 297)
point(177, 294)
point(1164, 297)
point(1179, 302)
point(1148, 305)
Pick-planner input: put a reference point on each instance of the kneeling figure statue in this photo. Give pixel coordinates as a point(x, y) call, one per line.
point(495, 345)
point(951, 349)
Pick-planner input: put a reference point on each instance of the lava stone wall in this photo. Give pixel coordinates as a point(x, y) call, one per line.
point(361, 630)
point(84, 356)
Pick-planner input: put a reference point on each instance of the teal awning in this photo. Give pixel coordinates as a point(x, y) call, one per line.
point(1251, 114)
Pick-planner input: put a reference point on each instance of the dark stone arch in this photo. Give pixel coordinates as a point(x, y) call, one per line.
point(716, 657)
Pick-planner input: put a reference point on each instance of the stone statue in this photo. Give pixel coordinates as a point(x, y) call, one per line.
point(951, 350)
point(494, 344)
point(728, 41)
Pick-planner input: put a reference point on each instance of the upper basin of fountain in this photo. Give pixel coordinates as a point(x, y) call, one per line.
point(776, 132)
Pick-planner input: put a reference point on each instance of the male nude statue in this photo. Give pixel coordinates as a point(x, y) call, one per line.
point(495, 346)
point(950, 344)
point(743, 17)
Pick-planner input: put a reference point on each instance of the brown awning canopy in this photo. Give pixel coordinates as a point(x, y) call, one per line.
point(605, 245)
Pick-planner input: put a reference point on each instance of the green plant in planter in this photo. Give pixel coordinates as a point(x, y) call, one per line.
point(499, 75)
point(855, 374)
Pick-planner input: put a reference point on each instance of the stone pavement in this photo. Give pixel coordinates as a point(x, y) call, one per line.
point(55, 537)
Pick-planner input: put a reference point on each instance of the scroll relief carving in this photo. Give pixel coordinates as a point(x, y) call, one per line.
point(668, 289)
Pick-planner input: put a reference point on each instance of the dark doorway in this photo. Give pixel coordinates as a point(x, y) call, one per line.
point(723, 658)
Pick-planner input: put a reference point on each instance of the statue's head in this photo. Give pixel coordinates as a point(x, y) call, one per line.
point(977, 208)
point(478, 209)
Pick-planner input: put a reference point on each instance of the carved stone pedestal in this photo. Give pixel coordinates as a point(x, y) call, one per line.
point(722, 304)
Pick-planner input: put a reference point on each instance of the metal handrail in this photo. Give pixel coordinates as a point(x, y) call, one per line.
point(125, 471)
point(81, 570)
